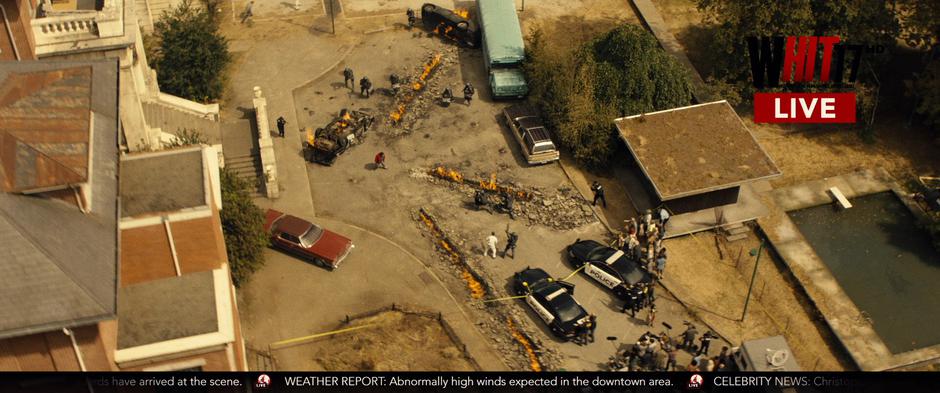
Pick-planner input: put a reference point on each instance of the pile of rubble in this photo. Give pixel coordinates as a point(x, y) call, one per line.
point(507, 326)
point(412, 106)
point(562, 209)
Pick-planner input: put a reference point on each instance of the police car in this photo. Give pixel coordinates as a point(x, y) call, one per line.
point(551, 300)
point(609, 266)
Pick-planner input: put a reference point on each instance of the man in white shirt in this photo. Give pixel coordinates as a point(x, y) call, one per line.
point(491, 241)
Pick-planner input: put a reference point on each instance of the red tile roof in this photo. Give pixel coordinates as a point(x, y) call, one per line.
point(45, 127)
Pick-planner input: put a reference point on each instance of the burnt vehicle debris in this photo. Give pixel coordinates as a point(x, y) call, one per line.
point(454, 24)
point(327, 143)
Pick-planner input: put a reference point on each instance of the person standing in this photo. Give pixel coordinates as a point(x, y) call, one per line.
point(637, 299)
point(411, 17)
point(628, 302)
point(598, 194)
point(661, 263)
point(468, 93)
point(688, 338)
point(511, 239)
point(380, 160)
point(349, 78)
point(706, 340)
point(247, 13)
point(365, 86)
point(633, 244)
point(591, 327)
point(491, 241)
point(651, 315)
point(620, 242)
point(663, 218)
point(280, 126)
point(671, 360)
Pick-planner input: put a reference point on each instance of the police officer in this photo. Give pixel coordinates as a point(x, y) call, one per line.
point(511, 239)
point(366, 86)
point(598, 193)
point(349, 78)
point(411, 17)
point(706, 342)
point(468, 93)
point(280, 126)
point(447, 96)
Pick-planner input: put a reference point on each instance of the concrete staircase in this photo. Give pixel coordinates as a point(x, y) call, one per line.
point(149, 12)
point(735, 232)
point(247, 168)
point(144, 18)
point(172, 120)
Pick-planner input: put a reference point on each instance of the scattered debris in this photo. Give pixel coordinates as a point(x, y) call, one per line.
point(497, 319)
point(420, 93)
point(564, 209)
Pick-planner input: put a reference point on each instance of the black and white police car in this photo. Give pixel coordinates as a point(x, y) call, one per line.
point(609, 266)
point(551, 300)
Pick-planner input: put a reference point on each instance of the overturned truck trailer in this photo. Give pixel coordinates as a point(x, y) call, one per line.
point(325, 144)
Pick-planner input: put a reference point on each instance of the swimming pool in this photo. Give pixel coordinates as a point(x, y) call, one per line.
point(883, 262)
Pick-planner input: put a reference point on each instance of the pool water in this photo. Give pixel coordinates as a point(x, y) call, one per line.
point(884, 263)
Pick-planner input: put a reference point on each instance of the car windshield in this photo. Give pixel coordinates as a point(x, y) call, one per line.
point(629, 270)
point(600, 254)
point(310, 237)
point(567, 308)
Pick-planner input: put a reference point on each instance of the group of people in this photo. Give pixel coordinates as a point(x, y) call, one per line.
point(643, 240)
point(653, 352)
point(492, 241)
point(365, 85)
point(468, 91)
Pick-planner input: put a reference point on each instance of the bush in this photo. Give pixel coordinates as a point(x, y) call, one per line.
point(623, 72)
point(190, 54)
point(243, 227)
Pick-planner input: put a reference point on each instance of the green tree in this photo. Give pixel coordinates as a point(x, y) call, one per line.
point(190, 54)
point(243, 228)
point(620, 73)
point(927, 90)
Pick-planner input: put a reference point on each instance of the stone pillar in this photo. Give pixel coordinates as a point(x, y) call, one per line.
point(265, 145)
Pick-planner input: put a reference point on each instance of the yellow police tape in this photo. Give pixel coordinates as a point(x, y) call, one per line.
point(284, 343)
point(573, 273)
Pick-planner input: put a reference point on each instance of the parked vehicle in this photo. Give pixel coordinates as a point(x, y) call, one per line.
point(552, 300)
point(609, 266)
point(503, 48)
point(449, 24)
point(306, 240)
point(529, 131)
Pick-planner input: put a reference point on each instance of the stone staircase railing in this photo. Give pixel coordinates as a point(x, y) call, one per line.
point(82, 25)
point(210, 111)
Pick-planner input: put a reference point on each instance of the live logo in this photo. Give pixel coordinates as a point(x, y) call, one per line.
point(804, 107)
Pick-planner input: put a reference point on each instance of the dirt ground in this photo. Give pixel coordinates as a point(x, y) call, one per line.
point(379, 347)
point(716, 286)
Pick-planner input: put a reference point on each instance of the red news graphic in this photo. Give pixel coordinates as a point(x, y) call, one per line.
point(804, 107)
point(793, 61)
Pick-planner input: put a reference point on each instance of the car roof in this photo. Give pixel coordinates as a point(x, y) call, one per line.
point(292, 225)
point(539, 134)
point(533, 275)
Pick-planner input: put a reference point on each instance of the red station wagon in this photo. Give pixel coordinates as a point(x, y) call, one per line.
point(306, 240)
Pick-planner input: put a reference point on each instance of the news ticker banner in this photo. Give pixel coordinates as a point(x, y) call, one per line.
point(554, 382)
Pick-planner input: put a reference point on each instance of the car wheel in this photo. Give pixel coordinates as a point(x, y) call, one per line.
point(428, 8)
point(463, 25)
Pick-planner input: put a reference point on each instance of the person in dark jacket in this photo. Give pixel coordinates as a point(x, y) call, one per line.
point(349, 78)
point(598, 194)
point(365, 86)
point(280, 126)
point(511, 239)
point(468, 91)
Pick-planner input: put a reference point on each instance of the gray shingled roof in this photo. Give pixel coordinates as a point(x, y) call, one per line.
point(162, 182)
point(167, 309)
point(58, 266)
